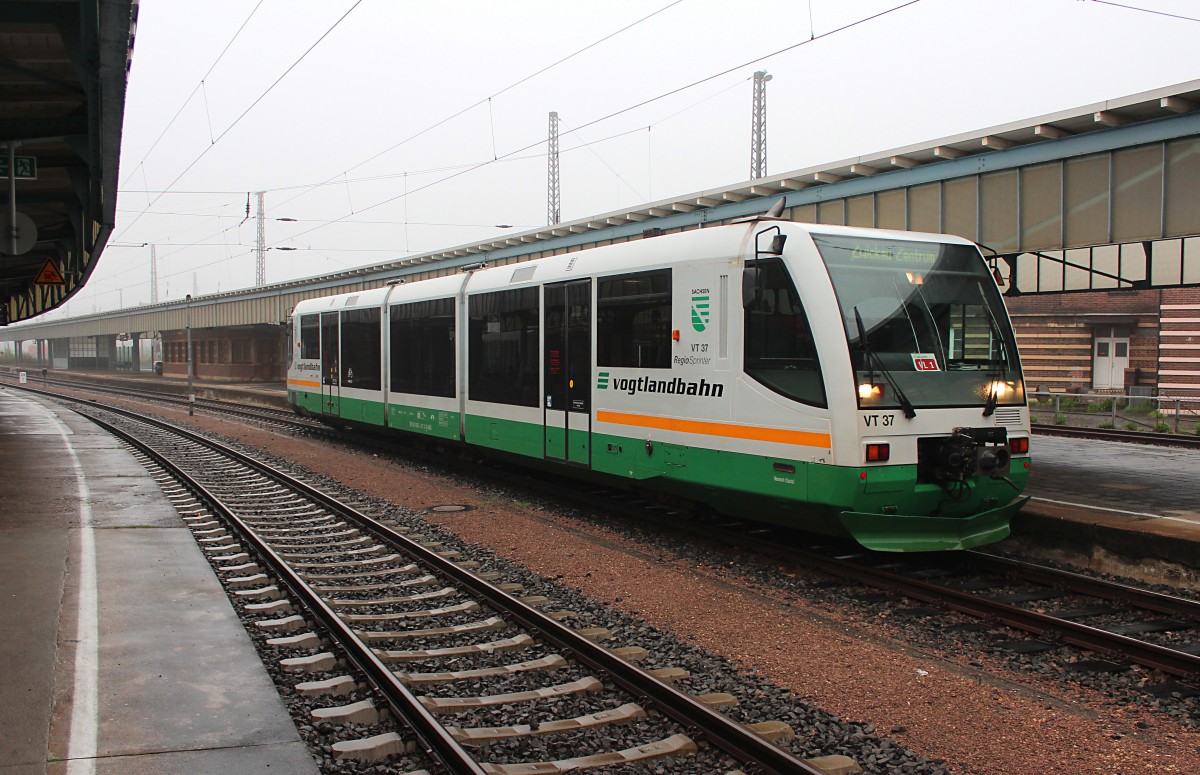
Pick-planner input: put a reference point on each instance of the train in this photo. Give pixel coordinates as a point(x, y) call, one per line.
point(839, 380)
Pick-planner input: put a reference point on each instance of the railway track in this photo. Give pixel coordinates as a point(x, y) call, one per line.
point(1121, 624)
point(478, 675)
point(288, 418)
point(257, 413)
point(1112, 434)
point(1054, 606)
point(1037, 608)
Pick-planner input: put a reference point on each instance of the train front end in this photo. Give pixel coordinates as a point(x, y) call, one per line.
point(939, 454)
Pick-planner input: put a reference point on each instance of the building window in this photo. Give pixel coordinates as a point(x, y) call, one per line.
point(503, 347)
point(423, 355)
point(633, 320)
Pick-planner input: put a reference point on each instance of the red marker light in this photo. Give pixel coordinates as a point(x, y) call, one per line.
point(878, 453)
point(675, 335)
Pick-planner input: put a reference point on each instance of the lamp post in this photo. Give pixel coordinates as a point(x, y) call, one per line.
point(191, 391)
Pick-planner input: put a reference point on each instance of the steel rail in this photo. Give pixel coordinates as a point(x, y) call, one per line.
point(1093, 587)
point(437, 741)
point(1151, 438)
point(134, 388)
point(726, 734)
point(1177, 663)
point(251, 411)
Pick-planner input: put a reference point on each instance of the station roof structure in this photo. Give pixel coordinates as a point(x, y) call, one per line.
point(63, 71)
point(1121, 171)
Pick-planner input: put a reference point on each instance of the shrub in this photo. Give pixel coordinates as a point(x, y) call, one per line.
point(1132, 426)
point(1197, 429)
point(1103, 406)
point(1060, 419)
point(1107, 426)
point(1033, 420)
point(1162, 427)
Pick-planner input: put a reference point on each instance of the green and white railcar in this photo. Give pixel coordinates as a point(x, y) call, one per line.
point(850, 381)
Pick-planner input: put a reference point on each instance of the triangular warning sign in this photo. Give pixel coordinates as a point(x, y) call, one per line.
point(49, 274)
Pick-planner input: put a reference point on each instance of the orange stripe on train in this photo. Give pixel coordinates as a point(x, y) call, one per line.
point(799, 438)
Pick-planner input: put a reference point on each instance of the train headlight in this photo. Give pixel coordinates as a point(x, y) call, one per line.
point(1000, 389)
point(868, 391)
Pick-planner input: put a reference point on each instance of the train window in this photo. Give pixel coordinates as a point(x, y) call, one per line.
point(360, 349)
point(423, 348)
point(310, 336)
point(633, 320)
point(779, 349)
point(503, 347)
point(924, 320)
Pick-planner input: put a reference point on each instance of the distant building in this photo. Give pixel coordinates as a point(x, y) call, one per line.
point(1110, 341)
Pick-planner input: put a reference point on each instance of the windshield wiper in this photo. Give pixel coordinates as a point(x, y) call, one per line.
point(905, 404)
point(989, 406)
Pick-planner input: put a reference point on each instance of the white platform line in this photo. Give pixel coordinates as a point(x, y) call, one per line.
point(81, 753)
point(1118, 511)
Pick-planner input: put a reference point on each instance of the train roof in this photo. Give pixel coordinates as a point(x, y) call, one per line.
point(724, 241)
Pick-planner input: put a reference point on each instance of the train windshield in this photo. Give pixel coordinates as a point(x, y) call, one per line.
point(925, 323)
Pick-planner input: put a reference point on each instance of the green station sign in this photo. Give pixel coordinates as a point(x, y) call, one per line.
point(26, 167)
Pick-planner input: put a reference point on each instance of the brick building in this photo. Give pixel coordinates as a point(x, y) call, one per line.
point(235, 354)
point(1110, 341)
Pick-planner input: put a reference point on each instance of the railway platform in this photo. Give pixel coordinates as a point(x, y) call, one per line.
point(1120, 503)
point(119, 652)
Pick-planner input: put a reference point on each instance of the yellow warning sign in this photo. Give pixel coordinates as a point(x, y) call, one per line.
point(49, 274)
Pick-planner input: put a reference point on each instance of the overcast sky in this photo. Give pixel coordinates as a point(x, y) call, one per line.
point(392, 127)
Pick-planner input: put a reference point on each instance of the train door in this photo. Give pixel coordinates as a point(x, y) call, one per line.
point(567, 323)
point(330, 368)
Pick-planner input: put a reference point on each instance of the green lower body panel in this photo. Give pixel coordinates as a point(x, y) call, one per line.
point(359, 410)
point(904, 533)
point(510, 436)
point(883, 507)
point(427, 422)
point(311, 402)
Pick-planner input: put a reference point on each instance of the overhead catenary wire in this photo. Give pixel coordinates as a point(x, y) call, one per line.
point(510, 87)
point(347, 219)
point(251, 107)
point(199, 85)
point(512, 155)
point(1147, 10)
point(643, 103)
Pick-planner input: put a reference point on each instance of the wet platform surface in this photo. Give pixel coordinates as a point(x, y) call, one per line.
point(1113, 505)
point(1145, 480)
point(119, 652)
